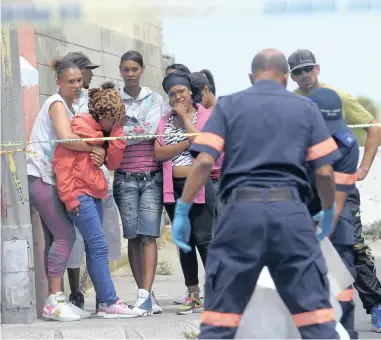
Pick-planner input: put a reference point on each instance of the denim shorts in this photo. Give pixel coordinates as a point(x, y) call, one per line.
point(139, 197)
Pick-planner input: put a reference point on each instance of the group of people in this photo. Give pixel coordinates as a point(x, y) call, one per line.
point(290, 165)
point(242, 192)
point(71, 189)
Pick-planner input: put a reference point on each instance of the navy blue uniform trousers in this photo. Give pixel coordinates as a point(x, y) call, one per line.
point(281, 236)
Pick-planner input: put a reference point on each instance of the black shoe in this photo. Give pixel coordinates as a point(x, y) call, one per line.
point(77, 299)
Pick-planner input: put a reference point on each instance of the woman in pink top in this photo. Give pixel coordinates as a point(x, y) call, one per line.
point(172, 150)
point(205, 82)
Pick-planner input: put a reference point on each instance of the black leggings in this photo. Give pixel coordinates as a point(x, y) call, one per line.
point(201, 219)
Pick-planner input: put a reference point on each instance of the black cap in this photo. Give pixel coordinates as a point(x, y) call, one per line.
point(330, 106)
point(80, 59)
point(301, 58)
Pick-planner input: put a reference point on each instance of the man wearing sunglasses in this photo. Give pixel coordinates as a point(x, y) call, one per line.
point(305, 71)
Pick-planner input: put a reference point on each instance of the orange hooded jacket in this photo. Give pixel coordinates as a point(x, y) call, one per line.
point(76, 172)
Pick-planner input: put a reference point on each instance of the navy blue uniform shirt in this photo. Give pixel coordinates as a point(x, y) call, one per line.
point(267, 134)
point(345, 178)
point(344, 168)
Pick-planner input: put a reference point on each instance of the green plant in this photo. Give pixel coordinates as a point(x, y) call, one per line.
point(373, 231)
point(190, 335)
point(164, 268)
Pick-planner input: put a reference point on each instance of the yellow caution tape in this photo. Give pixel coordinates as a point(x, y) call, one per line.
point(55, 141)
point(16, 179)
point(12, 163)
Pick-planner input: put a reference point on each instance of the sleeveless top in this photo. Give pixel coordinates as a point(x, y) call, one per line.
point(39, 162)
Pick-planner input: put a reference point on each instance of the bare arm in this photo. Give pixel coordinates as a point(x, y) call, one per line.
point(62, 128)
point(372, 142)
point(340, 198)
point(325, 186)
point(163, 153)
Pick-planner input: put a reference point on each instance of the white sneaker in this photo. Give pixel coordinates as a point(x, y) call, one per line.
point(78, 311)
point(57, 308)
point(156, 309)
point(143, 303)
point(180, 300)
point(118, 310)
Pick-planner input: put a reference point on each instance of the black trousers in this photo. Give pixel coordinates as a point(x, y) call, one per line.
point(201, 219)
point(367, 283)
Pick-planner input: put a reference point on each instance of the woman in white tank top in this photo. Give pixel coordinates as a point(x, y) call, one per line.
point(53, 122)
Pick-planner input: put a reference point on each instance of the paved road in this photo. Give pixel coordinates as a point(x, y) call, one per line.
point(167, 325)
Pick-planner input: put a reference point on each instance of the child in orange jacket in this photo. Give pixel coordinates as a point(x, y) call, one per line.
point(81, 186)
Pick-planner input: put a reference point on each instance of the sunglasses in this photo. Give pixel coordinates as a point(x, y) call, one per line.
point(306, 69)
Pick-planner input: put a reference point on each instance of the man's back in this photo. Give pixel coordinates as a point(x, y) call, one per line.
point(275, 126)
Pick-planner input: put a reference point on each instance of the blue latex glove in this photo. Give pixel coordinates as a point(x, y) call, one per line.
point(181, 228)
point(327, 221)
point(318, 216)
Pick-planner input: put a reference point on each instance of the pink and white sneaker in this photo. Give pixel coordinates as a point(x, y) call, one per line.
point(118, 310)
point(57, 308)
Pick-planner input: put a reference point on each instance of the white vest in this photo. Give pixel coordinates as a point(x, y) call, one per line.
point(39, 163)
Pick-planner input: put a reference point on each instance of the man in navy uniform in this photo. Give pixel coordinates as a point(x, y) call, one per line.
point(330, 105)
point(267, 134)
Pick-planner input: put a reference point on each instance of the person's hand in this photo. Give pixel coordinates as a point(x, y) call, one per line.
point(98, 155)
point(181, 228)
point(121, 121)
point(180, 109)
point(361, 173)
point(75, 211)
point(327, 221)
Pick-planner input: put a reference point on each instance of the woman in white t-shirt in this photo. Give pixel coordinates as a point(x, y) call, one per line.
point(53, 122)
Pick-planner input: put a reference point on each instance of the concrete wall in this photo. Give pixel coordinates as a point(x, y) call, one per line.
point(104, 46)
point(18, 302)
point(167, 61)
point(104, 42)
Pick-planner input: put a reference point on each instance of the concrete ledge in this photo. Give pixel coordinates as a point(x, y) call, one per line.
point(140, 328)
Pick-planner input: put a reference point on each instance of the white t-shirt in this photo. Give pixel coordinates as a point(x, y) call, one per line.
point(40, 162)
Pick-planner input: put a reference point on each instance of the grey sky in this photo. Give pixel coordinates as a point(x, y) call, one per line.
point(346, 46)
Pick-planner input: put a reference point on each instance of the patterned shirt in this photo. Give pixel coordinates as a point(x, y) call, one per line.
point(184, 158)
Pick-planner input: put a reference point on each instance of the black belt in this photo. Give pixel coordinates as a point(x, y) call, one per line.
point(140, 175)
point(264, 195)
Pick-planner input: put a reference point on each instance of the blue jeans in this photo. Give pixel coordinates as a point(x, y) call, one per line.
point(139, 197)
point(89, 223)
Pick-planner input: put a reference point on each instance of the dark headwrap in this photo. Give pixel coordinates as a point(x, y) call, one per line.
point(174, 79)
point(106, 102)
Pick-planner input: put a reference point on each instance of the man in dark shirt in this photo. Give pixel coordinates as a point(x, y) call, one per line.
point(267, 134)
point(345, 169)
